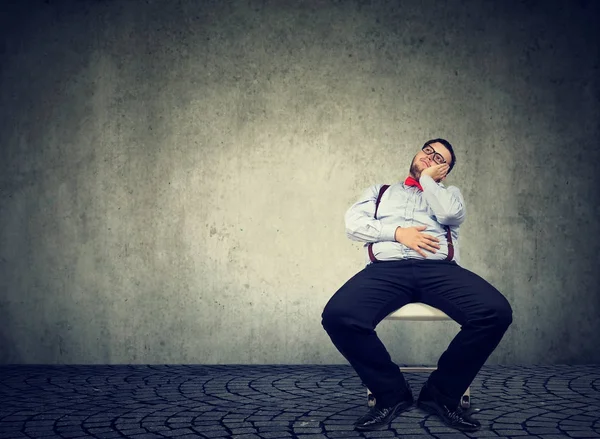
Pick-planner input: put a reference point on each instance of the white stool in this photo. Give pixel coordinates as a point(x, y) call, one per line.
point(418, 311)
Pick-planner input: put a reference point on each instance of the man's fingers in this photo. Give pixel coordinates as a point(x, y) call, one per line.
point(418, 250)
point(425, 246)
point(434, 242)
point(431, 248)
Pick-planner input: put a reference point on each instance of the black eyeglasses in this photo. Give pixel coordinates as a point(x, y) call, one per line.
point(438, 158)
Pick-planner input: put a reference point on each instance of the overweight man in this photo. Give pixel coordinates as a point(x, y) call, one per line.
point(411, 233)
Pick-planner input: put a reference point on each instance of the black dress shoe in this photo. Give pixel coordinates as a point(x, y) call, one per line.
point(453, 417)
point(378, 417)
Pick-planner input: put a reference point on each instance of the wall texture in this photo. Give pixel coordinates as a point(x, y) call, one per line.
point(174, 174)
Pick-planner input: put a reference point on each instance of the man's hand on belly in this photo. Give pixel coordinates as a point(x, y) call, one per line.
point(413, 238)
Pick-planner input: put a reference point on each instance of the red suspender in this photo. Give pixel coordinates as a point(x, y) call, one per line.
point(448, 233)
point(381, 191)
point(450, 245)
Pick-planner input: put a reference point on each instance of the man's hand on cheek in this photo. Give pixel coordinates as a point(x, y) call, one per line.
point(437, 172)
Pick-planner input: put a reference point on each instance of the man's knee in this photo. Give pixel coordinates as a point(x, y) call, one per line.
point(504, 315)
point(330, 317)
point(336, 317)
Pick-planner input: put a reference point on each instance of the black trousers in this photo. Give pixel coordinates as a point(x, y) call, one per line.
point(351, 315)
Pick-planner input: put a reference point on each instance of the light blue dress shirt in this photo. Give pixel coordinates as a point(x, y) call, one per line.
point(406, 206)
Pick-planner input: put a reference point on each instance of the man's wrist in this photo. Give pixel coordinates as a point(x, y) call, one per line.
point(425, 180)
point(397, 234)
point(425, 175)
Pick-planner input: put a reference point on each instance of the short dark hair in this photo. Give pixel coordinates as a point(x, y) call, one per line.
point(448, 147)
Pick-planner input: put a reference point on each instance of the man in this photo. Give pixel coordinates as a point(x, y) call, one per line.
point(411, 240)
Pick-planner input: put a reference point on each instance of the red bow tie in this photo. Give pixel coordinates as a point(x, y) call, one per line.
point(412, 182)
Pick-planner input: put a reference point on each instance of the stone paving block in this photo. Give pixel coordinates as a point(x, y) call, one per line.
point(505, 425)
point(311, 436)
point(73, 434)
point(307, 430)
point(208, 427)
point(176, 425)
point(262, 430)
point(511, 432)
point(343, 434)
point(271, 423)
point(285, 417)
point(440, 430)
point(40, 433)
point(571, 411)
point(455, 435)
point(37, 428)
point(378, 434)
point(177, 432)
point(583, 433)
point(344, 427)
point(248, 436)
point(482, 433)
point(540, 423)
point(347, 420)
point(553, 416)
point(133, 432)
point(409, 431)
point(552, 436)
point(160, 429)
point(185, 436)
point(511, 419)
point(311, 418)
point(276, 435)
point(401, 421)
point(237, 424)
point(543, 430)
point(39, 423)
point(570, 422)
point(108, 435)
point(213, 434)
point(240, 431)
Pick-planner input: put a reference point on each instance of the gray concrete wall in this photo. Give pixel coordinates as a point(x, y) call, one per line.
point(174, 174)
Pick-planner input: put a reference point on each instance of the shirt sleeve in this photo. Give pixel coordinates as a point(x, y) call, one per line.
point(447, 204)
point(361, 224)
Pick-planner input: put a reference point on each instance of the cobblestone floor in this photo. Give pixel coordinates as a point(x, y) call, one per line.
point(309, 402)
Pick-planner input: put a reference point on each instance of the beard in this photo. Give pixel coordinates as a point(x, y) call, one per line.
point(414, 170)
